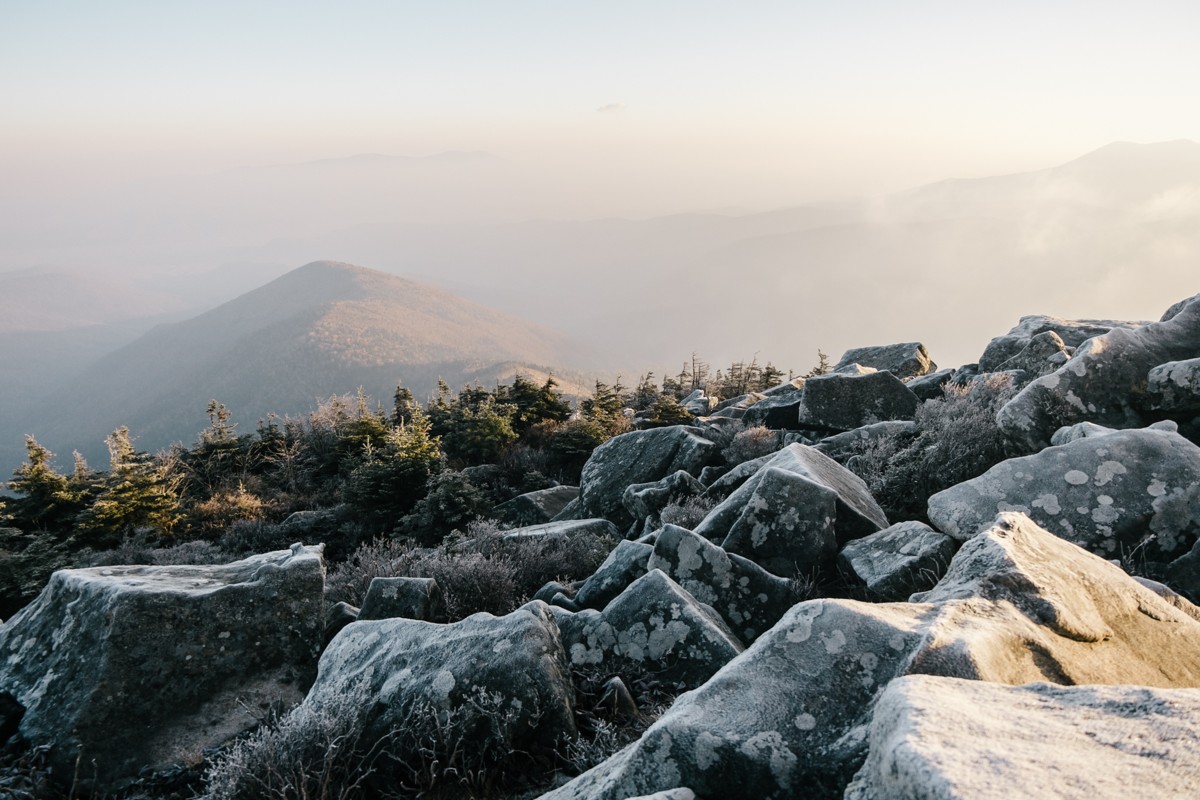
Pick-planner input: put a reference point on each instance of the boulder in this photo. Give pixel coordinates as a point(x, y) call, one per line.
point(735, 407)
point(336, 618)
point(777, 412)
point(841, 446)
point(498, 679)
point(787, 387)
point(565, 529)
point(789, 717)
point(1104, 381)
point(752, 517)
point(724, 485)
point(407, 598)
point(535, 508)
point(892, 564)
point(747, 597)
point(638, 457)
point(129, 667)
point(906, 360)
point(1042, 354)
point(655, 626)
point(1072, 332)
point(846, 402)
point(929, 387)
point(697, 403)
point(1120, 494)
point(939, 739)
point(1174, 387)
point(852, 369)
point(645, 500)
point(625, 564)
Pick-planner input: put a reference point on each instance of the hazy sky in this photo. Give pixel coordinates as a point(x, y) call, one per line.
point(753, 104)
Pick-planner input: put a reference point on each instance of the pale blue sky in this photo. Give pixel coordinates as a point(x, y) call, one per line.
point(832, 98)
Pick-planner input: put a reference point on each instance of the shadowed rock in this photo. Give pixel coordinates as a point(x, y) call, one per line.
point(846, 402)
point(908, 557)
point(535, 508)
point(906, 360)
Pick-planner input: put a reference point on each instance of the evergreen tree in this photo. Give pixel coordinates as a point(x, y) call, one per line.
point(391, 478)
point(47, 500)
point(139, 491)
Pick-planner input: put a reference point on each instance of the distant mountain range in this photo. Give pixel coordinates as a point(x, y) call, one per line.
point(325, 328)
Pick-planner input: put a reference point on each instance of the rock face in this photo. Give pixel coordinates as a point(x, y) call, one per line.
point(846, 402)
point(1103, 381)
point(408, 598)
point(535, 508)
point(645, 500)
point(1043, 353)
point(907, 360)
point(653, 625)
point(792, 513)
point(1106, 493)
point(929, 387)
point(908, 557)
point(142, 666)
point(506, 675)
point(938, 739)
point(625, 564)
point(1174, 387)
point(841, 446)
point(789, 717)
point(1072, 332)
point(638, 457)
point(747, 597)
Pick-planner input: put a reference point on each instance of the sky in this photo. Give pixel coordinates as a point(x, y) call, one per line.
point(651, 106)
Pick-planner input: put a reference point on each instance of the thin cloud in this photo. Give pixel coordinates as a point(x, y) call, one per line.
point(611, 108)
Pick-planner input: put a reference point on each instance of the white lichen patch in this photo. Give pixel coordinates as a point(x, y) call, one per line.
point(1076, 477)
point(442, 683)
point(835, 642)
point(805, 721)
point(1048, 503)
point(1108, 470)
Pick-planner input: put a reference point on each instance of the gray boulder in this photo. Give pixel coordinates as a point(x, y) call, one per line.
point(735, 407)
point(1103, 382)
point(846, 402)
point(908, 557)
point(731, 479)
point(129, 667)
point(747, 597)
point(1072, 332)
point(645, 500)
point(638, 457)
point(1043, 354)
point(842, 446)
point(938, 739)
point(1174, 387)
point(654, 625)
point(501, 679)
point(777, 412)
point(787, 387)
point(906, 360)
point(1116, 495)
point(535, 508)
point(407, 598)
point(789, 717)
point(565, 529)
point(625, 564)
point(929, 387)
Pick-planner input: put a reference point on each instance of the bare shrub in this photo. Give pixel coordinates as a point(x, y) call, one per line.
point(753, 442)
point(687, 513)
point(383, 558)
point(957, 439)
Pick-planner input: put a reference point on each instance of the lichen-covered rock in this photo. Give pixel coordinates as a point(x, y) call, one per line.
point(129, 667)
point(1043, 353)
point(929, 387)
point(565, 529)
point(747, 597)
point(841, 446)
point(938, 739)
point(735, 407)
point(506, 675)
point(644, 501)
point(535, 508)
point(846, 402)
point(638, 457)
point(761, 517)
point(905, 360)
point(1072, 332)
point(654, 625)
point(1174, 387)
point(625, 564)
point(777, 412)
point(908, 557)
point(789, 717)
point(1103, 382)
point(408, 598)
point(1111, 494)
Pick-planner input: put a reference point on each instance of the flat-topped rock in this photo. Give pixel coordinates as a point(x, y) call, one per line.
point(904, 360)
point(845, 402)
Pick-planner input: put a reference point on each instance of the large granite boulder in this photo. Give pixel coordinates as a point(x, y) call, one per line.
point(789, 717)
point(655, 625)
point(535, 508)
point(1072, 332)
point(638, 457)
point(950, 739)
point(128, 667)
point(747, 597)
point(777, 412)
point(1113, 494)
point(408, 598)
point(497, 679)
point(625, 564)
point(1174, 387)
point(1104, 382)
point(792, 513)
point(908, 557)
point(846, 402)
point(1044, 353)
point(905, 360)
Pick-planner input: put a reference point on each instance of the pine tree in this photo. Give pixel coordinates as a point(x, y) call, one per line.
point(47, 500)
point(139, 491)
